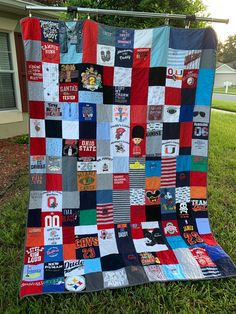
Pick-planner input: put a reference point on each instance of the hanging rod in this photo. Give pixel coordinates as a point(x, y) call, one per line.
point(127, 13)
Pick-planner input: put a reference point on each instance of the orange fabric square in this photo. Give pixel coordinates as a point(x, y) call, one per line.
point(69, 251)
point(34, 237)
point(153, 183)
point(198, 192)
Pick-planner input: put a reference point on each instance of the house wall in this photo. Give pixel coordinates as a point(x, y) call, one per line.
point(220, 78)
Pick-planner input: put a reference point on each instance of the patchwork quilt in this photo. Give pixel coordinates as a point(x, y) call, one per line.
point(119, 125)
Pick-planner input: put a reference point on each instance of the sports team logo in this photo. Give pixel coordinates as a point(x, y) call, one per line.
point(91, 79)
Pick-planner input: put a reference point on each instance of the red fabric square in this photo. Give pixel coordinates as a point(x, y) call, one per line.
point(137, 140)
point(209, 239)
point(186, 134)
point(108, 75)
point(141, 58)
point(87, 148)
point(138, 114)
point(137, 214)
point(167, 257)
point(34, 71)
point(50, 52)
point(190, 78)
point(37, 146)
point(137, 232)
point(31, 288)
point(51, 219)
point(120, 181)
point(170, 228)
point(139, 86)
point(198, 178)
point(34, 255)
point(36, 109)
point(31, 28)
point(53, 182)
point(68, 92)
point(68, 234)
point(90, 34)
point(172, 96)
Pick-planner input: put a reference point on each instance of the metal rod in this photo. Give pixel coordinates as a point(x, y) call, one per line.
point(127, 13)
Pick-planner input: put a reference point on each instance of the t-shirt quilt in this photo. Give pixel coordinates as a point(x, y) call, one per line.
point(119, 125)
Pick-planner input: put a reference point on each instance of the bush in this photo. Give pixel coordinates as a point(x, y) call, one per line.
point(22, 139)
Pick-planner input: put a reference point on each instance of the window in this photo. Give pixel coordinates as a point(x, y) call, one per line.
point(7, 74)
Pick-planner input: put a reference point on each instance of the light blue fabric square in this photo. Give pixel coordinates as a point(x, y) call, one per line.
point(54, 146)
point(70, 111)
point(92, 265)
point(120, 164)
point(160, 44)
point(203, 225)
point(173, 271)
point(176, 242)
point(91, 97)
point(103, 131)
point(104, 196)
point(205, 84)
point(183, 163)
point(71, 56)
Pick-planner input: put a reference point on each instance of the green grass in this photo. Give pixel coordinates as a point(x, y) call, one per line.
point(224, 105)
point(221, 90)
point(217, 296)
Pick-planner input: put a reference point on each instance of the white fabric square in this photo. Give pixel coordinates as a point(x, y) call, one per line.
point(182, 195)
point(51, 201)
point(170, 148)
point(143, 38)
point(105, 55)
point(37, 128)
point(137, 197)
point(171, 113)
point(52, 235)
point(141, 246)
point(70, 130)
point(92, 229)
point(174, 77)
point(199, 147)
point(122, 76)
point(104, 165)
point(107, 242)
point(156, 95)
point(50, 82)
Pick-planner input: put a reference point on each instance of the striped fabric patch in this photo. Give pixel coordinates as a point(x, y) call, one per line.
point(168, 172)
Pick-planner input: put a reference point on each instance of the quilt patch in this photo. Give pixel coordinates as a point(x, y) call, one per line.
point(119, 126)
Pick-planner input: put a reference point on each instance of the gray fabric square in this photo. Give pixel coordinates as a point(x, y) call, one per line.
point(35, 91)
point(121, 206)
point(136, 275)
point(106, 35)
point(103, 148)
point(208, 59)
point(54, 164)
point(137, 177)
point(35, 199)
point(32, 50)
point(94, 281)
point(153, 146)
point(37, 182)
point(104, 113)
point(201, 114)
point(104, 181)
point(70, 199)
point(199, 147)
point(69, 174)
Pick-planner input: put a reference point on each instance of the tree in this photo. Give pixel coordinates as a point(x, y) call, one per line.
point(163, 6)
point(227, 50)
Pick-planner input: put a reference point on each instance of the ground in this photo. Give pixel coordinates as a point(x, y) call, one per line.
point(224, 105)
point(231, 90)
point(216, 296)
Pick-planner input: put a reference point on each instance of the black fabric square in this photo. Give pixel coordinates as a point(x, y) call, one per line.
point(188, 96)
point(53, 270)
point(121, 95)
point(88, 200)
point(112, 262)
point(68, 73)
point(53, 128)
point(225, 266)
point(87, 130)
point(70, 217)
point(170, 131)
point(124, 58)
point(185, 150)
point(200, 131)
point(153, 212)
point(94, 281)
point(157, 76)
point(183, 210)
point(108, 95)
point(182, 178)
point(34, 218)
point(90, 77)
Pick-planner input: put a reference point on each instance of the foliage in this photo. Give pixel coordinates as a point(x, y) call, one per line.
point(22, 139)
point(205, 297)
point(224, 105)
point(227, 50)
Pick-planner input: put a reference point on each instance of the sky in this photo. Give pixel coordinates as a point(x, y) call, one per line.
point(225, 9)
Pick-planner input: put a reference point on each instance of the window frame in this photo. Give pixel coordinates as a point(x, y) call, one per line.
point(9, 115)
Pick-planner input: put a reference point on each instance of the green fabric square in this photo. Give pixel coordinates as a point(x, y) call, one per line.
point(199, 163)
point(88, 217)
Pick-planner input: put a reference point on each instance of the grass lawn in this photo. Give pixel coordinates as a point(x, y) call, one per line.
point(221, 90)
point(224, 105)
point(217, 296)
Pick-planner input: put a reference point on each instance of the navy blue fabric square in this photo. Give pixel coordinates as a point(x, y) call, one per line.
point(186, 39)
point(87, 112)
point(124, 58)
point(53, 128)
point(87, 130)
point(226, 266)
point(53, 270)
point(124, 38)
point(34, 218)
point(87, 199)
point(182, 178)
point(153, 212)
point(108, 95)
point(121, 95)
point(188, 96)
point(112, 262)
point(90, 77)
point(170, 131)
point(185, 150)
